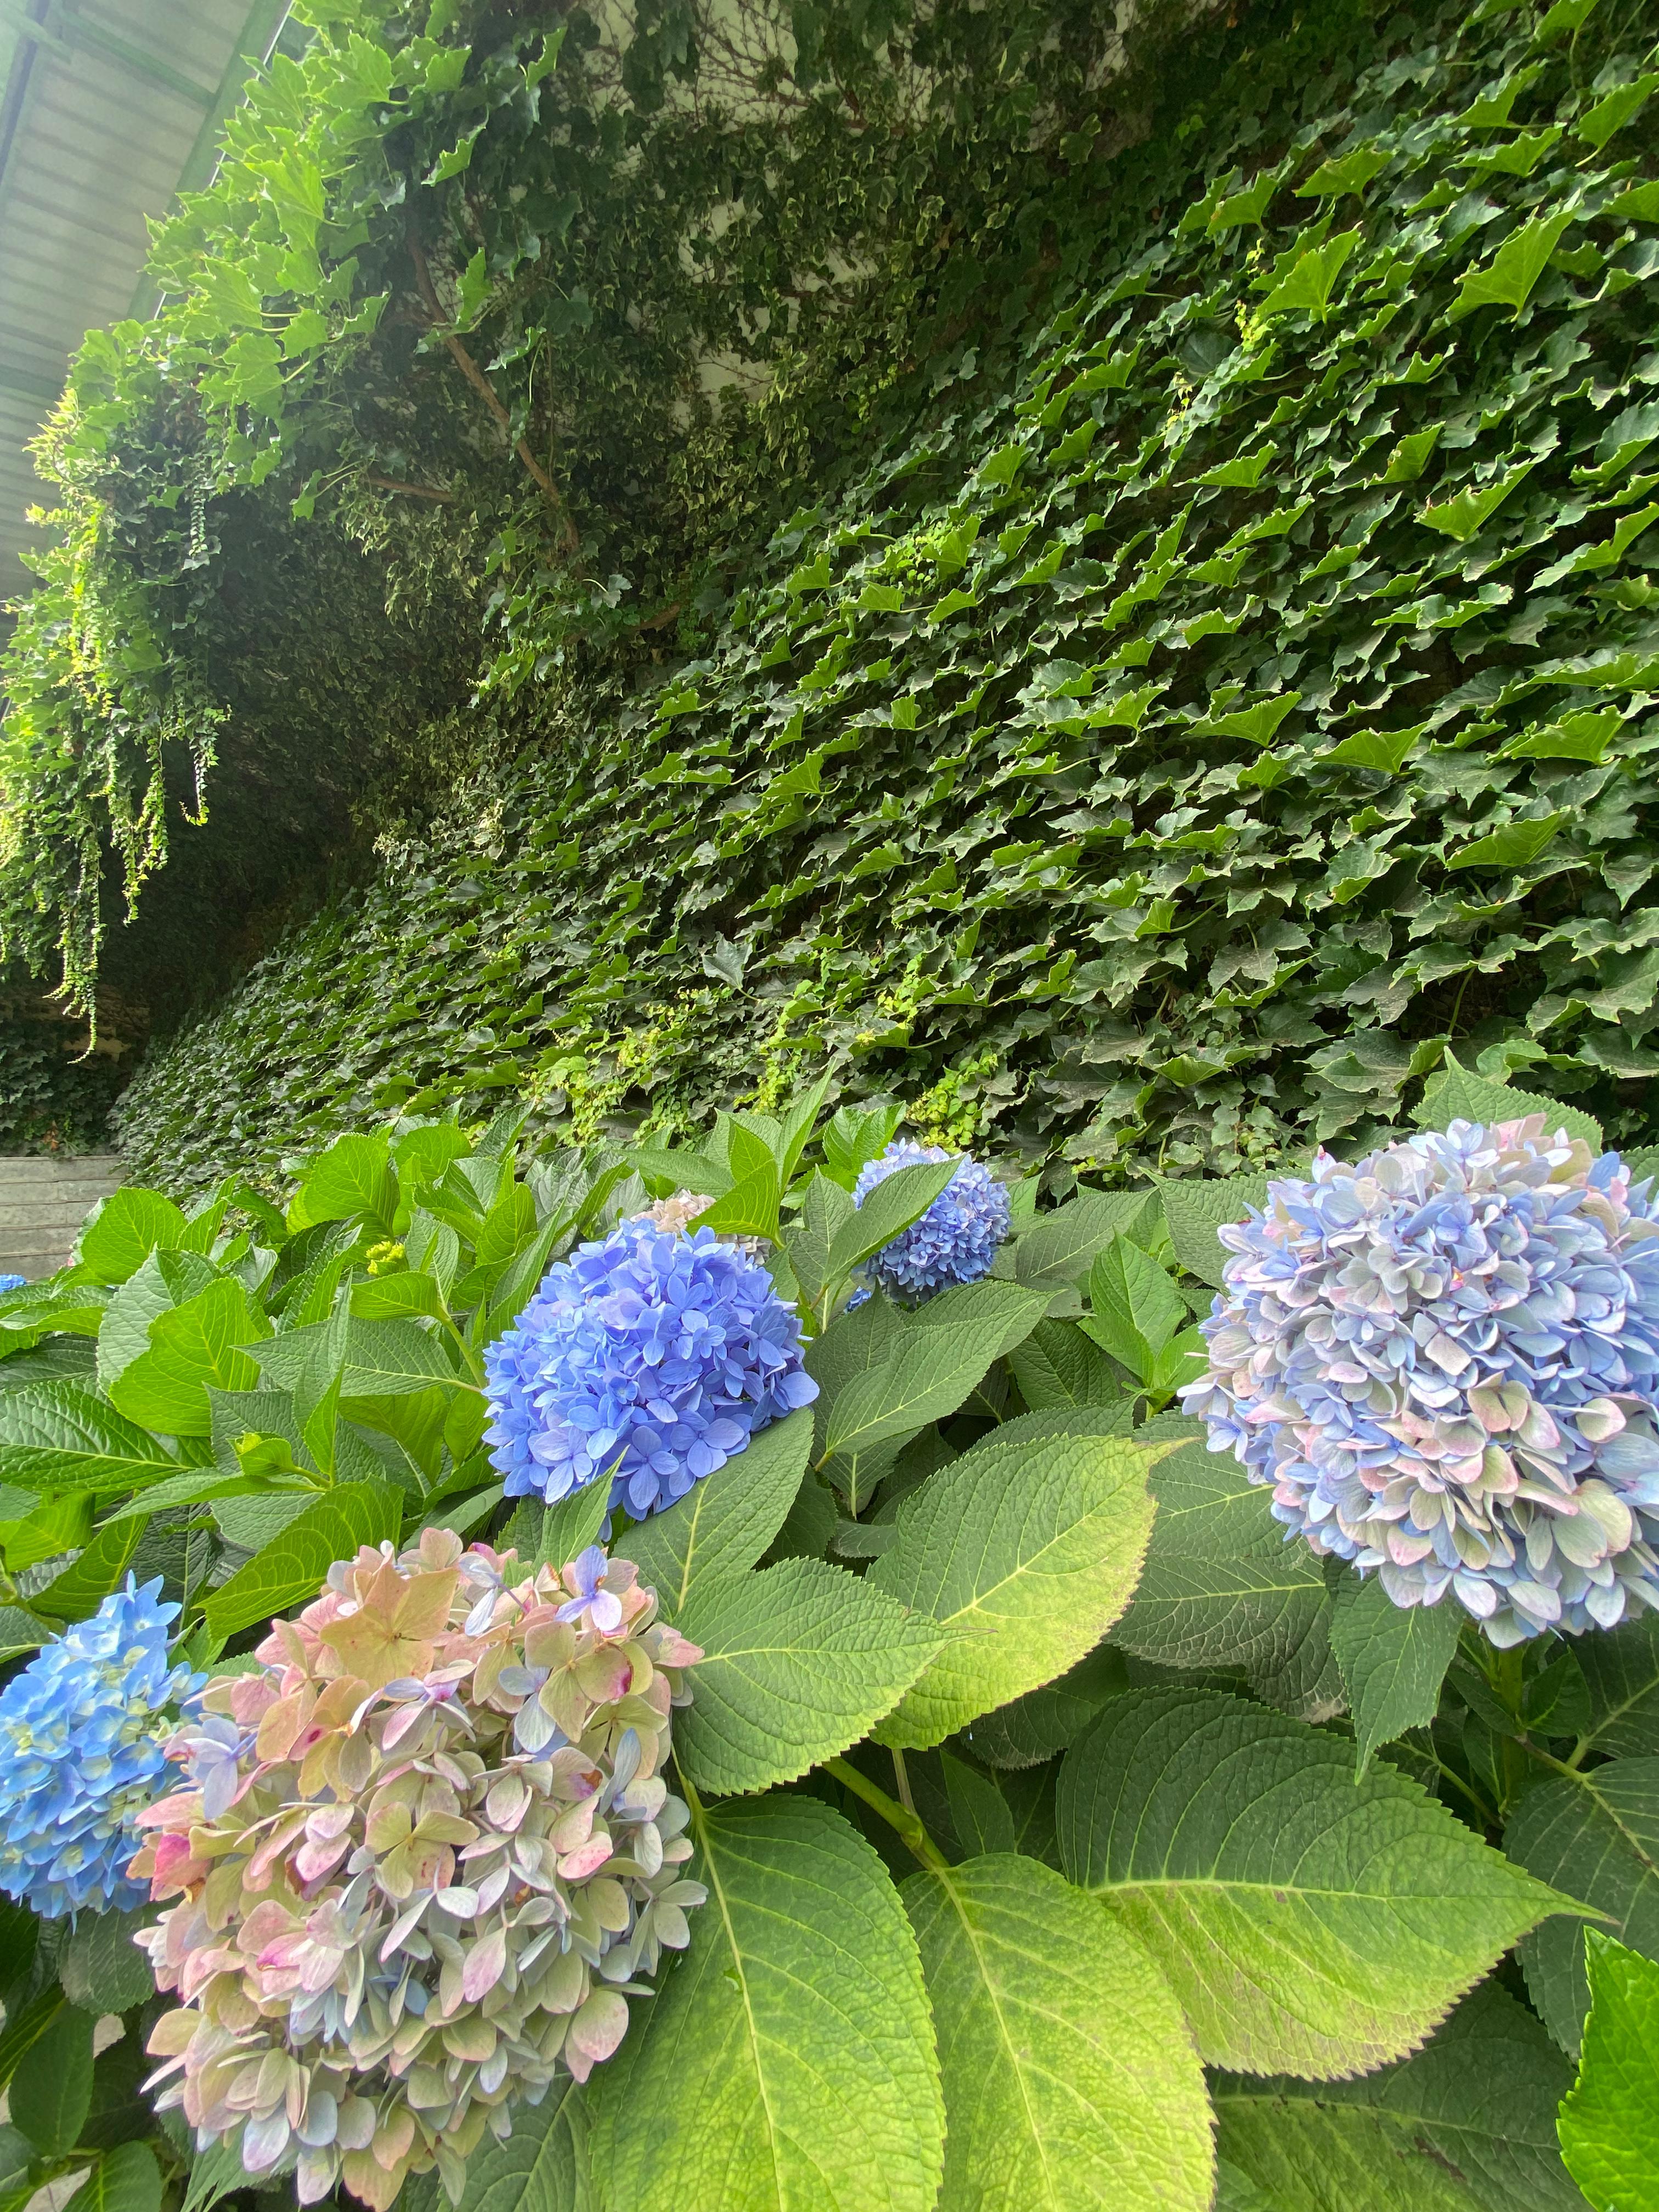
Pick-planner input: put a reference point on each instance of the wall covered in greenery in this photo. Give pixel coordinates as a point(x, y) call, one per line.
point(1162, 752)
point(500, 334)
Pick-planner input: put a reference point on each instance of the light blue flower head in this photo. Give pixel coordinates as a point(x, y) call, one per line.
point(955, 1241)
point(1444, 1360)
point(82, 1736)
point(651, 1358)
point(9, 1282)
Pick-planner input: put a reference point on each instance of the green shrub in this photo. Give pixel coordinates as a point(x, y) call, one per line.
point(1162, 755)
point(1053, 1813)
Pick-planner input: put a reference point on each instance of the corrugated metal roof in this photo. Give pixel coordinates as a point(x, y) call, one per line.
point(109, 108)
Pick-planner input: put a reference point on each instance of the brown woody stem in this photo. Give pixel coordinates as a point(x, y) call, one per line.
point(486, 390)
point(414, 490)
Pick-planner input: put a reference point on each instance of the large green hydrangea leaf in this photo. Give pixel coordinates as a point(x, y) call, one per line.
point(799, 1660)
point(1609, 2125)
point(1025, 1550)
point(1465, 2125)
point(1222, 1587)
point(1596, 1835)
point(541, 2167)
point(1621, 1670)
point(727, 1520)
point(788, 2064)
point(1070, 2076)
point(1309, 1922)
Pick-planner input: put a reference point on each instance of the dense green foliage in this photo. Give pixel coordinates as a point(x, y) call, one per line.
point(499, 332)
point(1163, 754)
point(1057, 1818)
point(50, 1099)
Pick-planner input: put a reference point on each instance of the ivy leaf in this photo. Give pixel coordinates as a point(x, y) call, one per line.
point(727, 1521)
point(1309, 1922)
point(1517, 845)
point(1350, 172)
point(1307, 285)
point(1385, 751)
point(1584, 736)
point(1560, 21)
point(800, 1661)
point(1258, 724)
point(1598, 125)
point(1508, 278)
point(295, 1565)
point(1251, 205)
point(1595, 1835)
point(449, 165)
point(1464, 513)
point(788, 2061)
point(1069, 2076)
point(1394, 1658)
point(1465, 2125)
point(1609, 2124)
point(1024, 1551)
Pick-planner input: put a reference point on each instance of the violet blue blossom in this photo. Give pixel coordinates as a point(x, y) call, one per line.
point(649, 1360)
point(955, 1241)
point(1444, 1361)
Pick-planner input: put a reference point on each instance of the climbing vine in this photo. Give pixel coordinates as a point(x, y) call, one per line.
point(1234, 692)
point(542, 311)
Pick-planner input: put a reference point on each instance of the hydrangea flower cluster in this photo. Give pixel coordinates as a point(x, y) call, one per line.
point(81, 1735)
point(425, 1851)
point(649, 1358)
point(9, 1282)
point(955, 1241)
point(1444, 1360)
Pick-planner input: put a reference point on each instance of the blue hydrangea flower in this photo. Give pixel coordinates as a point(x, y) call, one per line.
point(9, 1283)
point(651, 1358)
point(82, 1736)
point(1444, 1360)
point(955, 1241)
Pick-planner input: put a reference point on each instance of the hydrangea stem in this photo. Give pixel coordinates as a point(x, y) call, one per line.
point(906, 1824)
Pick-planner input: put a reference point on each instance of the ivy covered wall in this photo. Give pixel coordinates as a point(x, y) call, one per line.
point(1236, 682)
point(503, 333)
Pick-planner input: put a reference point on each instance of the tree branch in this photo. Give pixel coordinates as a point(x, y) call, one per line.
point(485, 389)
point(415, 491)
